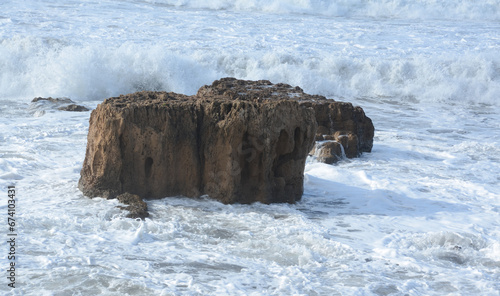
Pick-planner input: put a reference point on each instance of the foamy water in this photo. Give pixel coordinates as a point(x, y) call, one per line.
point(417, 216)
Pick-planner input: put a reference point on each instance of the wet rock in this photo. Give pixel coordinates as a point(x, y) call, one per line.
point(73, 108)
point(328, 151)
point(39, 106)
point(343, 123)
point(135, 205)
point(53, 100)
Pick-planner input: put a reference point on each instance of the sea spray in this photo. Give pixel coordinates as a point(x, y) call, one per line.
point(93, 72)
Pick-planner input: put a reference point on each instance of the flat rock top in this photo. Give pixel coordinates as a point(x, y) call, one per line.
point(225, 89)
point(148, 98)
point(234, 89)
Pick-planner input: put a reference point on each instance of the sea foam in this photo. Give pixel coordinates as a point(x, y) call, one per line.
point(33, 67)
point(405, 9)
point(417, 216)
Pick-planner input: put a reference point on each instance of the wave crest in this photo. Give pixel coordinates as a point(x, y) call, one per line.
point(33, 67)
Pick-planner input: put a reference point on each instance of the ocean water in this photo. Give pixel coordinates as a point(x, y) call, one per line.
point(420, 215)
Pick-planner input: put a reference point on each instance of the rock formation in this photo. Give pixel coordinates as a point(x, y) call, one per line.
point(235, 141)
point(236, 150)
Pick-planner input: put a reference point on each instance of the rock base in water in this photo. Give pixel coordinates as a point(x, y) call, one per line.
point(327, 151)
point(341, 123)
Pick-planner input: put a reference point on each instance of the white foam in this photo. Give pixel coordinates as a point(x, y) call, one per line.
point(463, 9)
point(92, 72)
point(33, 68)
point(418, 215)
point(76, 53)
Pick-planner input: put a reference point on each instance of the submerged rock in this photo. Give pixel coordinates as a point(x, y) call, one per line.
point(39, 106)
point(236, 141)
point(73, 108)
point(135, 205)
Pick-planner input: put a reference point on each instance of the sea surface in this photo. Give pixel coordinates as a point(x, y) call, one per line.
point(419, 215)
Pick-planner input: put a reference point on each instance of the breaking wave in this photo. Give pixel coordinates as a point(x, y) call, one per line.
point(32, 67)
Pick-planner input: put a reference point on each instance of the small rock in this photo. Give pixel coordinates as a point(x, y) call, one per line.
point(53, 100)
point(343, 123)
point(328, 151)
point(39, 106)
point(136, 206)
point(74, 108)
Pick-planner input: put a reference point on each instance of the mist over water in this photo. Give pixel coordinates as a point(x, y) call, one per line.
point(417, 216)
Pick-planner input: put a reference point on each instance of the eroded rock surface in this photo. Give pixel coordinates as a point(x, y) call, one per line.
point(339, 122)
point(236, 141)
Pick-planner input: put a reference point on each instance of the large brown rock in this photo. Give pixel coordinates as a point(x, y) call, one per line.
point(234, 149)
point(235, 141)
